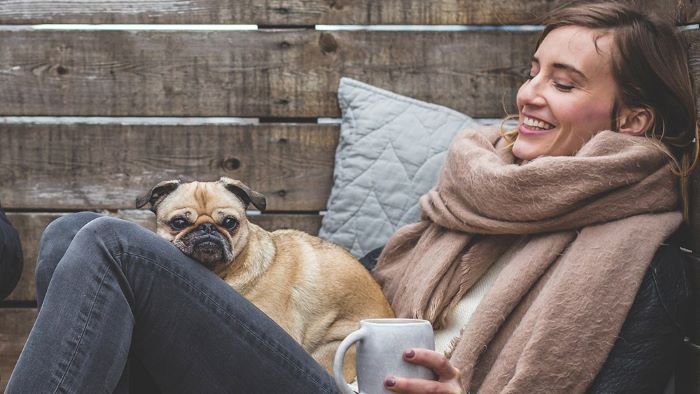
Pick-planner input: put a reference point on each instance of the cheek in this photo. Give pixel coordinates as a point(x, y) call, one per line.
point(586, 118)
point(239, 238)
point(520, 96)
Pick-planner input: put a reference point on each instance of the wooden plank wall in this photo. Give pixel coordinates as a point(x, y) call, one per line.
point(286, 74)
point(308, 12)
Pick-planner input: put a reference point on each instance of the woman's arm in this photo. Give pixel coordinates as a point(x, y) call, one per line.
point(10, 256)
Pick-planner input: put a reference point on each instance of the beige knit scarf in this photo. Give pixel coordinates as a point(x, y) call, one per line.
point(581, 232)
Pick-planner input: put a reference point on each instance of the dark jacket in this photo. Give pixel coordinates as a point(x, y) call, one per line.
point(650, 340)
point(10, 257)
point(648, 346)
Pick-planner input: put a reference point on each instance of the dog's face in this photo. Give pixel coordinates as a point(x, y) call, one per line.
point(205, 220)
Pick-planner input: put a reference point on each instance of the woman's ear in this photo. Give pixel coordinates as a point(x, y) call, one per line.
point(635, 121)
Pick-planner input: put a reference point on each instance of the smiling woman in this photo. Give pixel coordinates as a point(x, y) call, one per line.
point(596, 70)
point(569, 95)
point(546, 231)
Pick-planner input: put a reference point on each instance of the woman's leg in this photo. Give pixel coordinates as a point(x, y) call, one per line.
point(53, 245)
point(120, 286)
point(55, 240)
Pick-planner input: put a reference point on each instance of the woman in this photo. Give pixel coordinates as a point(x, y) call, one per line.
point(559, 243)
point(110, 291)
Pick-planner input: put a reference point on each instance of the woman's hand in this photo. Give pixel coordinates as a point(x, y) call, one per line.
point(448, 381)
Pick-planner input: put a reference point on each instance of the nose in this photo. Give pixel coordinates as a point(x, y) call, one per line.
point(207, 228)
point(531, 93)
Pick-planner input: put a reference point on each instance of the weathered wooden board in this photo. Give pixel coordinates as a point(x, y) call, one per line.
point(274, 73)
point(31, 225)
point(15, 324)
point(77, 167)
point(306, 12)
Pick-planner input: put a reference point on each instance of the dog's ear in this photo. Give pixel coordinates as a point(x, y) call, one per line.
point(157, 194)
point(246, 194)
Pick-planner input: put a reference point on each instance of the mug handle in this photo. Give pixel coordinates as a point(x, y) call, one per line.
point(340, 356)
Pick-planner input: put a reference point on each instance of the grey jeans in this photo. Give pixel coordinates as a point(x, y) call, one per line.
point(122, 309)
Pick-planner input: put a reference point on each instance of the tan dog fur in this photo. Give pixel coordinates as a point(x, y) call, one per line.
point(315, 290)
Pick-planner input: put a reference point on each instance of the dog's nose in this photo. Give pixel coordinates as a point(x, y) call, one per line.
point(207, 228)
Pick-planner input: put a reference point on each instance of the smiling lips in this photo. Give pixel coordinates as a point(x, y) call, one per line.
point(532, 126)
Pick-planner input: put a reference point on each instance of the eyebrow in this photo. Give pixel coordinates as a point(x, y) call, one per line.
point(563, 66)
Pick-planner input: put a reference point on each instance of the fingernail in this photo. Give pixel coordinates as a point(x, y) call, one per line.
point(409, 353)
point(390, 381)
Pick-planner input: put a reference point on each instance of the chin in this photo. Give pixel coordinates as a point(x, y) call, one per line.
point(531, 147)
point(524, 151)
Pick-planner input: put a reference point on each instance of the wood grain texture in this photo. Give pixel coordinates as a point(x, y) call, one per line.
point(277, 73)
point(107, 166)
point(31, 225)
point(15, 324)
point(307, 12)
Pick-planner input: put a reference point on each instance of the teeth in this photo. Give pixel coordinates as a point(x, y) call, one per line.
point(537, 123)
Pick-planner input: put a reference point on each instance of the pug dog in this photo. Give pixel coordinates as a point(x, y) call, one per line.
point(315, 290)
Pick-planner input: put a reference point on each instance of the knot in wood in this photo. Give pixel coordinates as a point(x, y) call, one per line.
point(282, 193)
point(327, 43)
point(335, 4)
point(231, 164)
point(281, 10)
point(60, 70)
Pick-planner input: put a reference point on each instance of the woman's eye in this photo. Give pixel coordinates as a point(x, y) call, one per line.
point(563, 87)
point(178, 223)
point(531, 72)
point(230, 223)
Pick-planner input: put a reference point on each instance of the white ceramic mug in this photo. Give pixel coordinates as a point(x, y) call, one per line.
point(380, 347)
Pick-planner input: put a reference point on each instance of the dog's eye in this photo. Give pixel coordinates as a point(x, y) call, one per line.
point(230, 223)
point(178, 223)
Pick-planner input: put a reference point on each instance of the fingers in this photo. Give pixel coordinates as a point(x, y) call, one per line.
point(433, 360)
point(411, 386)
point(448, 377)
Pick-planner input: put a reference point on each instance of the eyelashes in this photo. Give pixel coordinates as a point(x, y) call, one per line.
point(562, 87)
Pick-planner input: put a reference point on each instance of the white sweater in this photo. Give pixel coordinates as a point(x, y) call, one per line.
point(459, 316)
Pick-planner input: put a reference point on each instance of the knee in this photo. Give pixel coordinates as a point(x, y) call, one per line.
point(67, 225)
point(113, 232)
point(57, 237)
point(108, 224)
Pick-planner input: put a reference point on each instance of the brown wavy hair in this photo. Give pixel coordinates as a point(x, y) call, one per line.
point(650, 66)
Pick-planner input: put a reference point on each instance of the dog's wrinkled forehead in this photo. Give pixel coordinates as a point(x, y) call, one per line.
point(204, 197)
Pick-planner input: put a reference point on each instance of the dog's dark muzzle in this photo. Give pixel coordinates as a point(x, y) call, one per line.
point(208, 245)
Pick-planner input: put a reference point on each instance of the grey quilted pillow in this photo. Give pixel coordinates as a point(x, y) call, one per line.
point(390, 152)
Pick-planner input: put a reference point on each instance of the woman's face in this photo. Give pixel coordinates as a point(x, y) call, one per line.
point(569, 95)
